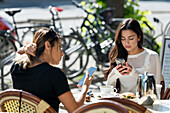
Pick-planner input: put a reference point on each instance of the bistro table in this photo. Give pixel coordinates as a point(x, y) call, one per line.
point(159, 106)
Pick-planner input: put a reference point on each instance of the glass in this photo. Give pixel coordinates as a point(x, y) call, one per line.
point(158, 90)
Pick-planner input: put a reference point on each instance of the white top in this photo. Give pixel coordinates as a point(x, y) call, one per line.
point(147, 60)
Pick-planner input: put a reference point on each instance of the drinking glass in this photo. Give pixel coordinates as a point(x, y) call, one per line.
point(158, 90)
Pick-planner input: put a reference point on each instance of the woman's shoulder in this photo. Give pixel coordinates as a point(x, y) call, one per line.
point(152, 55)
point(151, 52)
point(54, 68)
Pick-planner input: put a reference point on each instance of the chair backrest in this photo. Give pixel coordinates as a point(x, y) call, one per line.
point(167, 30)
point(167, 93)
point(132, 106)
point(102, 106)
point(13, 100)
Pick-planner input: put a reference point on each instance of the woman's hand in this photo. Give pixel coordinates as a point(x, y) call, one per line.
point(29, 49)
point(87, 82)
point(68, 100)
point(124, 69)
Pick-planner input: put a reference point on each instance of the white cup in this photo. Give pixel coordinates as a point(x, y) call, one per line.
point(107, 89)
point(158, 90)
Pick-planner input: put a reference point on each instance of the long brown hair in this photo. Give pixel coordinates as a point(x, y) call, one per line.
point(40, 37)
point(119, 51)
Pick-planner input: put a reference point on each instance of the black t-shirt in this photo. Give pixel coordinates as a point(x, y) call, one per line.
point(45, 81)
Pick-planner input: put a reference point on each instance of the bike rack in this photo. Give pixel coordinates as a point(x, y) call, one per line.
point(4, 62)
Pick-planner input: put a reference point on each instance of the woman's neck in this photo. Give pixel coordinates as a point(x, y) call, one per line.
point(137, 51)
point(35, 63)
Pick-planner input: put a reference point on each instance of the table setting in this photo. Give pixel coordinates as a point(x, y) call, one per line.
point(153, 104)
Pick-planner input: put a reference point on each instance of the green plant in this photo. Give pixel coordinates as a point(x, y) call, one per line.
point(132, 11)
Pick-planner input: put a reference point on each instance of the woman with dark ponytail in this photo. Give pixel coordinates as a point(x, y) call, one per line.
point(129, 46)
point(35, 72)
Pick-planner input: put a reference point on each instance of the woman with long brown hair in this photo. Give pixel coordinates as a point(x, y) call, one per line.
point(38, 75)
point(129, 46)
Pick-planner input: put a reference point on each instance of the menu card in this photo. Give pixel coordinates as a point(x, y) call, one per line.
point(166, 62)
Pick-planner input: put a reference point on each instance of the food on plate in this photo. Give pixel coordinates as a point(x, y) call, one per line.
point(128, 95)
point(88, 98)
point(99, 96)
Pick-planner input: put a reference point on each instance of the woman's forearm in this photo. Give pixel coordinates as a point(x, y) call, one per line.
point(82, 96)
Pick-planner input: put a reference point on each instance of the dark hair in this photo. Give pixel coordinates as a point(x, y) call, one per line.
point(119, 51)
point(40, 37)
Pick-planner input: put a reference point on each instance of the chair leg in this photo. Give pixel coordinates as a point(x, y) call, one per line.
point(2, 78)
point(162, 89)
point(3, 85)
point(166, 94)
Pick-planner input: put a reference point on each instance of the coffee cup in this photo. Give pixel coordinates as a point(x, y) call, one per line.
point(107, 89)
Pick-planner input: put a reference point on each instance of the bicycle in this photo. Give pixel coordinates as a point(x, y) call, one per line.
point(98, 36)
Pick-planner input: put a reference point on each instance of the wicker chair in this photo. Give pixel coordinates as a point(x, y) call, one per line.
point(13, 100)
point(102, 106)
point(132, 106)
point(167, 93)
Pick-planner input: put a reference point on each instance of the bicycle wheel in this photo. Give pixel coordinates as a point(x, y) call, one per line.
point(75, 57)
point(147, 43)
point(7, 47)
point(27, 37)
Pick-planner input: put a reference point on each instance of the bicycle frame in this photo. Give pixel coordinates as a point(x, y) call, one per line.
point(99, 42)
point(95, 26)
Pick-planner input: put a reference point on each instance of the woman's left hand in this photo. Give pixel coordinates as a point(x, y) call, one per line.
point(87, 82)
point(28, 49)
point(127, 69)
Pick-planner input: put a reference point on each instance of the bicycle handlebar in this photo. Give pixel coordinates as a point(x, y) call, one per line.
point(148, 25)
point(156, 20)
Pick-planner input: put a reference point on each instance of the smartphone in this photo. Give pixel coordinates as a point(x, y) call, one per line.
point(91, 71)
point(120, 61)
